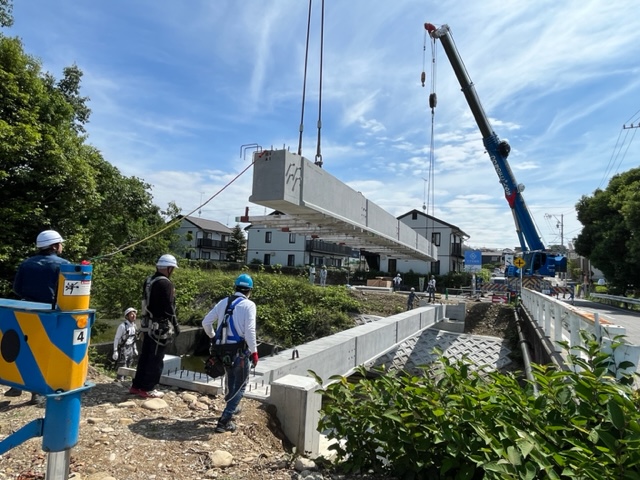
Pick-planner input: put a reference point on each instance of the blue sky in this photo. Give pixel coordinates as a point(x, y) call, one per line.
point(177, 87)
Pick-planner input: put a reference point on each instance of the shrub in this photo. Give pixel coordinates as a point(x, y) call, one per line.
point(460, 422)
point(289, 310)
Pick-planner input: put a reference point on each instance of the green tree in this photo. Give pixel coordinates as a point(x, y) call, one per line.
point(610, 237)
point(6, 13)
point(50, 178)
point(237, 249)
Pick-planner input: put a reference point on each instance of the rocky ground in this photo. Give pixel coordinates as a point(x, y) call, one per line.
point(123, 437)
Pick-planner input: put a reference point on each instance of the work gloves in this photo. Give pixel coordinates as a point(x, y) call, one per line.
point(115, 356)
point(254, 358)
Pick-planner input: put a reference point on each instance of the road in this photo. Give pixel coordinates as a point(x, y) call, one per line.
point(628, 319)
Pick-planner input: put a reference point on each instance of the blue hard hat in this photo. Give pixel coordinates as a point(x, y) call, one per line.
point(244, 281)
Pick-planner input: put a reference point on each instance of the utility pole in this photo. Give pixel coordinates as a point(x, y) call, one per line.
point(559, 224)
point(625, 127)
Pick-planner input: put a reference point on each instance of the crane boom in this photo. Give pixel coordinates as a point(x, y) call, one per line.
point(498, 150)
point(537, 260)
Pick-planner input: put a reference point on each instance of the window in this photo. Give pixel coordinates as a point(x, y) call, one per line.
point(291, 261)
point(206, 255)
point(267, 239)
point(267, 259)
point(435, 238)
point(414, 215)
point(292, 238)
point(435, 267)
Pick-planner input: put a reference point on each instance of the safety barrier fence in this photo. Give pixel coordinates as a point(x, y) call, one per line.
point(616, 300)
point(562, 322)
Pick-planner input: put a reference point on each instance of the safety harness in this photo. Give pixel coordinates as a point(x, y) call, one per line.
point(228, 344)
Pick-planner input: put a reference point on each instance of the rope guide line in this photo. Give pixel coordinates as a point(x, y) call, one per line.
point(174, 222)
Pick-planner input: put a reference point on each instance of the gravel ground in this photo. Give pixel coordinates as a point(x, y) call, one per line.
point(123, 437)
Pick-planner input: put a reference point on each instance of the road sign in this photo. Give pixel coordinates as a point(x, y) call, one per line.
point(472, 261)
point(519, 262)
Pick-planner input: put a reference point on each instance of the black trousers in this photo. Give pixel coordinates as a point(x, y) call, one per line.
point(150, 364)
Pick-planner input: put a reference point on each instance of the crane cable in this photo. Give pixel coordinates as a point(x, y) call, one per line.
point(304, 80)
point(173, 222)
point(428, 205)
point(318, 161)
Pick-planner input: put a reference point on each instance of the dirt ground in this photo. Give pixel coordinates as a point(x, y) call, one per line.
point(123, 438)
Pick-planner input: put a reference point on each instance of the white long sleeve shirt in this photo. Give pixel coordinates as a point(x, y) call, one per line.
point(244, 320)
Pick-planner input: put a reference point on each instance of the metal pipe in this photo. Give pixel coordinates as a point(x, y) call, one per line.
point(58, 465)
point(526, 357)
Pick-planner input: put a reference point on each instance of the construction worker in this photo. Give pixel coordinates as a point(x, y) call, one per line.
point(431, 289)
point(323, 276)
point(235, 333)
point(397, 281)
point(125, 350)
point(312, 274)
point(36, 281)
point(161, 325)
point(411, 299)
point(37, 276)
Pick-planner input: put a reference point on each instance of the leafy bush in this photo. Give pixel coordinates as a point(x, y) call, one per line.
point(290, 310)
point(460, 422)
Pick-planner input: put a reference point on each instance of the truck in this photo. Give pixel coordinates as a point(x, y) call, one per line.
point(538, 261)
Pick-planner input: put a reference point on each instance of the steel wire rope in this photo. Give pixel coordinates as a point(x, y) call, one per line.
point(174, 222)
point(304, 80)
point(318, 160)
point(428, 205)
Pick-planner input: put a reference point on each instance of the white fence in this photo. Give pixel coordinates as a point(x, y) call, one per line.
point(561, 321)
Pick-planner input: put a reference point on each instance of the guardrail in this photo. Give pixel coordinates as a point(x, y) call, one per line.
point(625, 301)
point(561, 321)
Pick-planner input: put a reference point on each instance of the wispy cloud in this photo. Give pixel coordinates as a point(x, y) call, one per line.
point(176, 89)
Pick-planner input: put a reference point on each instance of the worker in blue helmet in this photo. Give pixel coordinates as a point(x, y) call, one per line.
point(231, 325)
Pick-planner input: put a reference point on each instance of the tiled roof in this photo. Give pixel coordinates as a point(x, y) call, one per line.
point(209, 225)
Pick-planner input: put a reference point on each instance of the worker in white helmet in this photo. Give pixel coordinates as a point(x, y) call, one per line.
point(125, 350)
point(159, 325)
point(37, 278)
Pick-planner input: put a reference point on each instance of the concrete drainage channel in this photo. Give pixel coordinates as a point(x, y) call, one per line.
point(282, 379)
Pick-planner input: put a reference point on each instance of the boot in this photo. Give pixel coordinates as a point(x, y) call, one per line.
point(13, 392)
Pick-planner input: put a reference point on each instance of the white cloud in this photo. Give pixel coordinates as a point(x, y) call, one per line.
point(176, 90)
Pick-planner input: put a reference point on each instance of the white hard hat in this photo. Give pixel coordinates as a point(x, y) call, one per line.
point(48, 238)
point(167, 260)
point(129, 310)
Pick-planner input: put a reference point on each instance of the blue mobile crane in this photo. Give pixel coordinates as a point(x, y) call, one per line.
point(538, 260)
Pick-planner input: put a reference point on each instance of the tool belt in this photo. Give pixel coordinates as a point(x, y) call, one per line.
point(221, 356)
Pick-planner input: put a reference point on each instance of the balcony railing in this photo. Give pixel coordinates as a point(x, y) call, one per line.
point(213, 244)
point(326, 247)
point(456, 250)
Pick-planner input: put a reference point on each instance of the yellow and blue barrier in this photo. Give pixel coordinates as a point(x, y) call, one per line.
point(44, 350)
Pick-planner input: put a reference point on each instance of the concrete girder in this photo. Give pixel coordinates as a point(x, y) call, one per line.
point(316, 203)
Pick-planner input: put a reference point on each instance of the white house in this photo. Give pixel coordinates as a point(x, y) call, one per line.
point(446, 237)
point(271, 246)
point(203, 239)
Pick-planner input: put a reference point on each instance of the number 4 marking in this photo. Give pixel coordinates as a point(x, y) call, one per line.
point(80, 336)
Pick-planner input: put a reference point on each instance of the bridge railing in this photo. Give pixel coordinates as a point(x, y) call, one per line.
point(562, 322)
